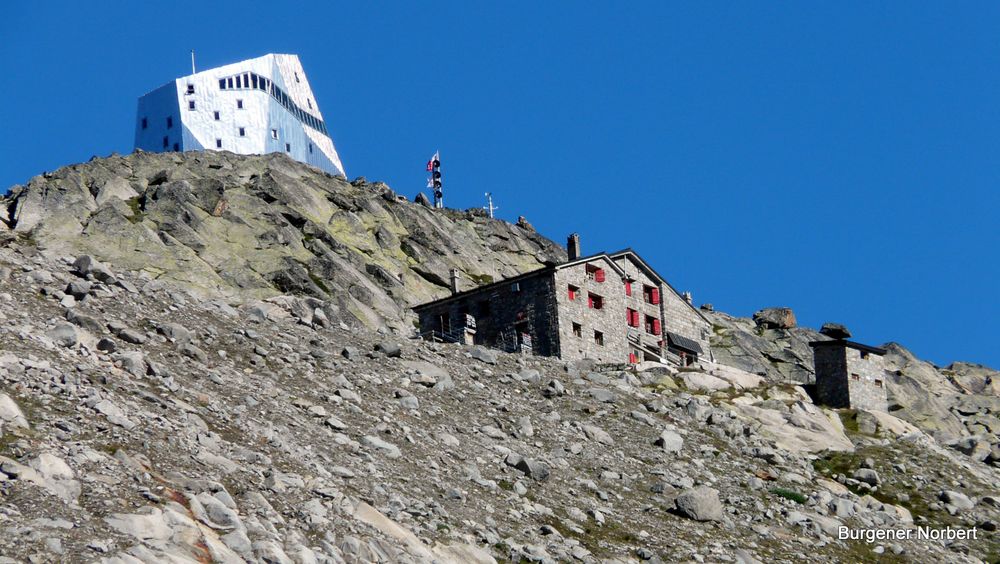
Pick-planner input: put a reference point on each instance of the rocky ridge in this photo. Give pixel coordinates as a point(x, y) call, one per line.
point(237, 227)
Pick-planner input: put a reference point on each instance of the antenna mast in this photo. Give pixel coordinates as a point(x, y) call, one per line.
point(434, 182)
point(490, 207)
point(192, 63)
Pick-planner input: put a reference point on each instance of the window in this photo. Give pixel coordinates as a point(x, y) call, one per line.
point(651, 294)
point(652, 325)
point(177, 147)
point(573, 292)
point(274, 134)
point(288, 147)
point(239, 81)
point(578, 330)
point(239, 104)
point(632, 316)
point(253, 81)
point(628, 287)
point(310, 148)
point(166, 141)
point(229, 82)
point(190, 88)
point(864, 355)
point(515, 287)
point(222, 84)
point(190, 104)
point(296, 77)
point(216, 115)
point(599, 338)
point(878, 383)
point(170, 122)
point(145, 123)
point(243, 132)
point(218, 143)
point(594, 301)
point(594, 273)
point(855, 377)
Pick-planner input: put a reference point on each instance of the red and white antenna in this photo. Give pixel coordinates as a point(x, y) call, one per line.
point(434, 182)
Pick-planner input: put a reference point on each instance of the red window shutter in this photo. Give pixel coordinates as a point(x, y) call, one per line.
point(631, 358)
point(628, 288)
point(590, 301)
point(635, 318)
point(654, 296)
point(656, 326)
point(572, 294)
point(599, 275)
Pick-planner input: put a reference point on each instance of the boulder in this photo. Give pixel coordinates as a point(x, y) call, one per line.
point(670, 441)
point(835, 331)
point(775, 318)
point(484, 354)
point(701, 504)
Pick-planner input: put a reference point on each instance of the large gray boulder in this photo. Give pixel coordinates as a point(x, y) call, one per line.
point(701, 504)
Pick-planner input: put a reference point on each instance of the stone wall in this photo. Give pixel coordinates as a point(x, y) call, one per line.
point(848, 377)
point(681, 318)
point(866, 380)
point(501, 310)
point(638, 302)
point(609, 320)
point(831, 376)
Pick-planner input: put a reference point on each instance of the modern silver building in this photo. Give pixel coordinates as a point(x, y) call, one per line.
point(257, 106)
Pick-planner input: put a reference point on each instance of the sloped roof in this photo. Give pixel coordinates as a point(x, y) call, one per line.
point(529, 274)
point(652, 272)
point(683, 342)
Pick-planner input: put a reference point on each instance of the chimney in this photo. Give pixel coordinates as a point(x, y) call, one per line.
point(573, 246)
point(454, 281)
point(688, 298)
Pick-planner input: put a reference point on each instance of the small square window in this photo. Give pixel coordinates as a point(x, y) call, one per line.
point(239, 104)
point(216, 114)
point(855, 377)
point(170, 122)
point(190, 88)
point(572, 292)
point(310, 148)
point(166, 142)
point(599, 338)
point(577, 330)
point(878, 383)
point(274, 134)
point(288, 147)
point(190, 104)
point(243, 132)
point(145, 123)
point(218, 143)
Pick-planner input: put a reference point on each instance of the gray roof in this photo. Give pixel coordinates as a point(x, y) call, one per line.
point(683, 342)
point(848, 344)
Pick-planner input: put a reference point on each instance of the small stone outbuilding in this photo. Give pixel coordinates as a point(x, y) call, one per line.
point(850, 375)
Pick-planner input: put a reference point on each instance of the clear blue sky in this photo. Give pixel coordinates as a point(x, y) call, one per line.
point(840, 159)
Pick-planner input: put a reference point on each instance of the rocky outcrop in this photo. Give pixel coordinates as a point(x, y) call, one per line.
point(243, 228)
